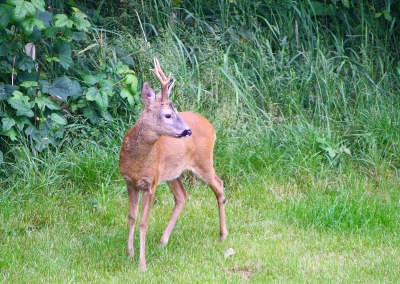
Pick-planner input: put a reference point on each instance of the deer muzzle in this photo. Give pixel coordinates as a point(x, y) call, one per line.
point(185, 133)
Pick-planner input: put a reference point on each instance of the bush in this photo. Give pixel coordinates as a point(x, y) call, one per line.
point(46, 83)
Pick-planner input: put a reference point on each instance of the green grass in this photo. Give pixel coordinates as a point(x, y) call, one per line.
point(333, 229)
point(308, 145)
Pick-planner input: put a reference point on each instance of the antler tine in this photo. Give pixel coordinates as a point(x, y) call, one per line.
point(158, 67)
point(163, 79)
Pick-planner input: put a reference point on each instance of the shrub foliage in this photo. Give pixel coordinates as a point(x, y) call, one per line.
point(47, 79)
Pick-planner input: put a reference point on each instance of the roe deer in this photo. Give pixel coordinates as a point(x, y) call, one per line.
point(159, 147)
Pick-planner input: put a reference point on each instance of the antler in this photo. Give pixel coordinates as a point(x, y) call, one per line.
point(163, 79)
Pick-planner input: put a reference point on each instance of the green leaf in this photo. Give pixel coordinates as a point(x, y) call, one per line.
point(90, 79)
point(21, 121)
point(5, 15)
point(92, 93)
point(125, 93)
point(107, 116)
point(4, 52)
point(73, 106)
point(80, 22)
point(133, 88)
point(58, 119)
point(19, 13)
point(82, 25)
point(61, 20)
point(76, 90)
point(41, 137)
point(321, 141)
point(132, 101)
point(99, 97)
point(14, 2)
point(321, 9)
point(332, 152)
point(82, 103)
point(44, 101)
point(10, 89)
point(7, 123)
point(63, 50)
point(346, 150)
point(21, 103)
point(128, 60)
point(39, 4)
point(387, 15)
point(30, 23)
point(46, 17)
point(50, 59)
point(25, 63)
point(77, 36)
point(137, 98)
point(3, 93)
point(6, 91)
point(133, 80)
point(106, 85)
point(32, 131)
point(92, 115)
point(68, 34)
point(22, 9)
point(51, 31)
point(29, 84)
point(62, 87)
point(11, 134)
point(122, 68)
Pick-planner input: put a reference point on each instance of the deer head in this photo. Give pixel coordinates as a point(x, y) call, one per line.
point(162, 117)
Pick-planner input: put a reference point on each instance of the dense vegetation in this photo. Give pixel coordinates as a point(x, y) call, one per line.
point(304, 97)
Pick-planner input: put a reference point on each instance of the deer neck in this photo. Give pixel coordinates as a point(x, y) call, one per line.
point(142, 135)
point(140, 143)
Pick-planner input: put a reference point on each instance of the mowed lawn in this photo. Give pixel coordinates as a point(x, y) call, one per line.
point(278, 233)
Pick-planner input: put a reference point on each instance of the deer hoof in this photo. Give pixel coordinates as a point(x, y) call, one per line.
point(130, 253)
point(142, 266)
point(222, 237)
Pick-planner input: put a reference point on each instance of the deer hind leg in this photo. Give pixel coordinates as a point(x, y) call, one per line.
point(147, 201)
point(133, 212)
point(217, 185)
point(180, 196)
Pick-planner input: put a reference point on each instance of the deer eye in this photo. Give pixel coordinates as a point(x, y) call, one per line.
point(168, 115)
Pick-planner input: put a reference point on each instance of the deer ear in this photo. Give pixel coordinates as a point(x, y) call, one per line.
point(148, 94)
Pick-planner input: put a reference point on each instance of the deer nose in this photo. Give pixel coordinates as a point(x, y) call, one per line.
point(186, 132)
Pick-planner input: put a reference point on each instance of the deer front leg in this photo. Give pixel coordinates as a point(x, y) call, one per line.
point(148, 197)
point(180, 196)
point(133, 212)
